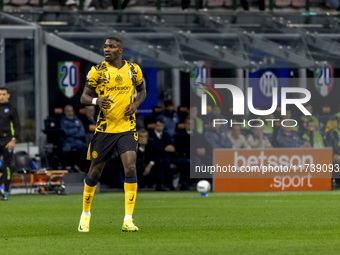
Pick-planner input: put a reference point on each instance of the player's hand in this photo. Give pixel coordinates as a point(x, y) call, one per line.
point(10, 145)
point(104, 102)
point(130, 109)
point(147, 170)
point(169, 148)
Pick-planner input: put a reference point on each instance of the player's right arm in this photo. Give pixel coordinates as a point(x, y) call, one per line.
point(89, 89)
point(86, 99)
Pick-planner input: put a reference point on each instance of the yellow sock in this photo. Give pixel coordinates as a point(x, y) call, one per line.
point(87, 197)
point(130, 197)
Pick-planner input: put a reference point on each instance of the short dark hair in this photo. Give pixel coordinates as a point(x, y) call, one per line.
point(160, 120)
point(4, 88)
point(115, 38)
point(142, 130)
point(310, 121)
point(188, 118)
point(168, 102)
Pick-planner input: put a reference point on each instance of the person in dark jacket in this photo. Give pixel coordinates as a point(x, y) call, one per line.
point(73, 139)
point(182, 146)
point(9, 133)
point(145, 159)
point(164, 153)
point(170, 118)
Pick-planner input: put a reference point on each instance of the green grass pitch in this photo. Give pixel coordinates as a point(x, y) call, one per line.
point(174, 223)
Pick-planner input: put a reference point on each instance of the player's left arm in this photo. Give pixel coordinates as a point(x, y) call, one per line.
point(16, 128)
point(141, 95)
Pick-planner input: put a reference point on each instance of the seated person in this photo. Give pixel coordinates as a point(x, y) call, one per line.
point(258, 139)
point(89, 118)
point(199, 127)
point(288, 138)
point(305, 119)
point(216, 113)
point(313, 136)
point(182, 146)
point(333, 138)
point(215, 138)
point(170, 118)
point(238, 140)
point(164, 152)
point(145, 159)
point(73, 139)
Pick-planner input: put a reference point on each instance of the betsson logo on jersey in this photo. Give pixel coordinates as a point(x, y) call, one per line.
point(117, 88)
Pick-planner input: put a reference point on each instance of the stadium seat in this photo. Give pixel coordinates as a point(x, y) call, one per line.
point(215, 3)
point(156, 110)
point(326, 109)
point(151, 126)
point(21, 164)
point(298, 3)
point(282, 3)
point(180, 126)
point(228, 3)
point(182, 112)
point(58, 111)
point(36, 2)
point(81, 111)
point(132, 3)
point(19, 2)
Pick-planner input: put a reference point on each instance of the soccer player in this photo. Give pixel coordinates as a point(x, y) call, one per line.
point(114, 81)
point(9, 132)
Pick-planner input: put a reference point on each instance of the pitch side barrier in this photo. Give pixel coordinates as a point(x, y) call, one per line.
point(288, 169)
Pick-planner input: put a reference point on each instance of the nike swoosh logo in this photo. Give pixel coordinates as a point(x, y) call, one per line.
point(88, 198)
point(132, 197)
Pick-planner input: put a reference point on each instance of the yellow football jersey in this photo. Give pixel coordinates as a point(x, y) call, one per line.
point(118, 85)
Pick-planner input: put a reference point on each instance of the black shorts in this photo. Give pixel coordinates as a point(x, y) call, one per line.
point(103, 145)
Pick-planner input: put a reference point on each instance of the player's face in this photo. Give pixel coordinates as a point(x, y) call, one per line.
point(112, 50)
point(4, 96)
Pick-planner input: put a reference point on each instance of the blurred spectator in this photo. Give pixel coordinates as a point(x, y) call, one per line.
point(164, 152)
point(238, 140)
point(214, 114)
point(170, 118)
point(182, 146)
point(199, 127)
point(333, 138)
point(337, 114)
point(305, 118)
point(313, 136)
point(288, 138)
point(333, 3)
point(103, 4)
point(89, 118)
point(186, 4)
point(145, 159)
point(198, 153)
point(245, 5)
point(268, 128)
point(73, 139)
point(216, 138)
point(258, 139)
point(334, 141)
point(289, 115)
